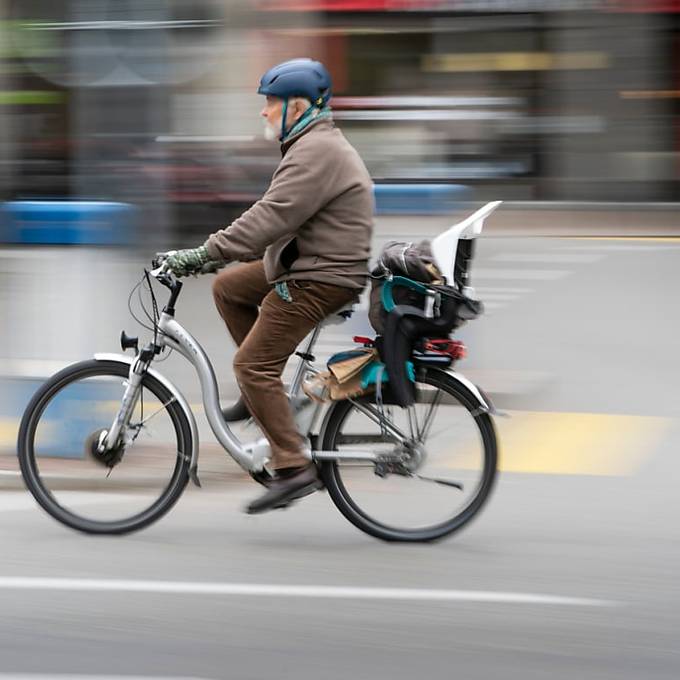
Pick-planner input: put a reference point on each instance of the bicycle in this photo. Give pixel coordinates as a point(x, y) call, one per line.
point(84, 446)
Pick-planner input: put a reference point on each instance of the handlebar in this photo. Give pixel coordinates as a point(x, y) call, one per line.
point(166, 278)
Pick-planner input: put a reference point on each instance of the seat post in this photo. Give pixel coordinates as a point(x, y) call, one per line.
point(304, 360)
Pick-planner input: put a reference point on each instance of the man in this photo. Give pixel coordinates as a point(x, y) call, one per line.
point(312, 231)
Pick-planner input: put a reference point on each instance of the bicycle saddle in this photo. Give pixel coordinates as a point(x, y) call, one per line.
point(341, 315)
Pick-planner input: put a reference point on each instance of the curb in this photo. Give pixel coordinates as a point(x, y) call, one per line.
point(539, 219)
point(11, 480)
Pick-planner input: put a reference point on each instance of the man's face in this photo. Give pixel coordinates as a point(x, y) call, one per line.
point(271, 112)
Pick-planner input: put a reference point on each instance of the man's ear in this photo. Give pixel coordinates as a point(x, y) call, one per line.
point(300, 108)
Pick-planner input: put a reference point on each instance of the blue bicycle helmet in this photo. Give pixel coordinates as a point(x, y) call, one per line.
point(298, 78)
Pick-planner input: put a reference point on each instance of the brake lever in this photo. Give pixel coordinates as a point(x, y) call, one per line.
point(158, 263)
point(162, 269)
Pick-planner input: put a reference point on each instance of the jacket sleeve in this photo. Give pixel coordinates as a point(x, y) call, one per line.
point(299, 188)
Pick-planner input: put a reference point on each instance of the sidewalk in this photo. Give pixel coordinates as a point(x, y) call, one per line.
point(562, 219)
point(215, 468)
point(586, 219)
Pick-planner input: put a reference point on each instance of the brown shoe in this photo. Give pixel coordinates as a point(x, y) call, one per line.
point(282, 490)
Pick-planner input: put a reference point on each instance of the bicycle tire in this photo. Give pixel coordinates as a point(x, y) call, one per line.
point(341, 497)
point(31, 474)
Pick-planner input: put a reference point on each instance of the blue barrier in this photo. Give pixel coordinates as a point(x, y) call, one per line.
point(66, 422)
point(66, 222)
point(419, 199)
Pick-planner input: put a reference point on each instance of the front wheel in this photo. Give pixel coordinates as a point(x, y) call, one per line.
point(103, 493)
point(446, 477)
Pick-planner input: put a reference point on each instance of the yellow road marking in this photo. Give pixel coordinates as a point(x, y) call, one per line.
point(578, 443)
point(544, 442)
point(652, 239)
point(8, 432)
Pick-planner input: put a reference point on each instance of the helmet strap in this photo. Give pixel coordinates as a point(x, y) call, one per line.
point(284, 115)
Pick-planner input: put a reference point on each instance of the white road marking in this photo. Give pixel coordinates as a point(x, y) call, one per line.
point(491, 290)
point(22, 500)
point(71, 676)
point(307, 591)
point(499, 297)
point(552, 258)
point(637, 247)
point(519, 274)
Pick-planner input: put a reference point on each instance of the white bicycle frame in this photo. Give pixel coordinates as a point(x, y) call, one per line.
point(253, 456)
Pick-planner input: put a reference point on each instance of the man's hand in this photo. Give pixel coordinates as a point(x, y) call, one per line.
point(191, 261)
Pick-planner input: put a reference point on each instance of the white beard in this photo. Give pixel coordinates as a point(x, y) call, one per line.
point(271, 132)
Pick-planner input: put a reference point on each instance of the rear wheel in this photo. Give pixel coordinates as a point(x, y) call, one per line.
point(447, 473)
point(103, 493)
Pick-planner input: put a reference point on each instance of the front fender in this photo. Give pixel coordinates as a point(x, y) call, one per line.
point(183, 404)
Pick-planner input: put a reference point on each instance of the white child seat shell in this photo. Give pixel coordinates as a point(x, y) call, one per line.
point(445, 246)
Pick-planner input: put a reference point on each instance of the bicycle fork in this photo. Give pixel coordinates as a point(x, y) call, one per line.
point(127, 405)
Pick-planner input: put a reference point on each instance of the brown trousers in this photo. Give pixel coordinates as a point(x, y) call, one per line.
point(267, 339)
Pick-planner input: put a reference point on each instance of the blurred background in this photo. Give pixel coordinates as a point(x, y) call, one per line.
point(132, 126)
point(152, 103)
point(135, 124)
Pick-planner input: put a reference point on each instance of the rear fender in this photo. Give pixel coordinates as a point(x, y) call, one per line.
point(485, 403)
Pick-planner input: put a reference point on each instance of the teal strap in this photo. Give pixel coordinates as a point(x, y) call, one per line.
point(387, 294)
point(304, 120)
point(282, 291)
point(284, 115)
point(311, 115)
point(373, 374)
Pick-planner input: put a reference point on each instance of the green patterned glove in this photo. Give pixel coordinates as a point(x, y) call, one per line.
point(190, 261)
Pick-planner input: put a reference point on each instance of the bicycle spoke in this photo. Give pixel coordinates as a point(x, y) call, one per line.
point(141, 423)
point(377, 418)
point(434, 404)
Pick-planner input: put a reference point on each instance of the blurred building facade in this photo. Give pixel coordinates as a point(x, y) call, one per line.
point(524, 99)
point(154, 103)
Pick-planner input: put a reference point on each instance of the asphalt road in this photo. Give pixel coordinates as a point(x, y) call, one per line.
point(570, 571)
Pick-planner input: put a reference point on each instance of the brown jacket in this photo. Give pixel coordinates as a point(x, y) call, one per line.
point(316, 218)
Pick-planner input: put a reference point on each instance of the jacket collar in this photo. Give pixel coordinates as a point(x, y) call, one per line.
point(321, 124)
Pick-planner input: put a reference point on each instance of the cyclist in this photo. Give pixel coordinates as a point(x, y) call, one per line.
point(305, 246)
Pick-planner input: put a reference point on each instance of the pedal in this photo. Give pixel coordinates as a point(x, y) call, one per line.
point(303, 493)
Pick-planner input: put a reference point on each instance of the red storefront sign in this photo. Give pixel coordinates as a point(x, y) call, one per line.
point(347, 5)
point(490, 6)
point(646, 6)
